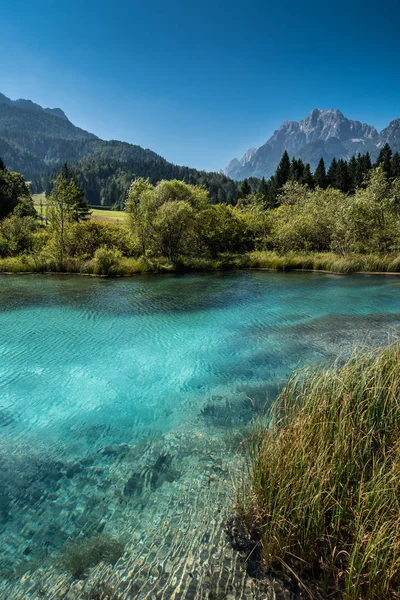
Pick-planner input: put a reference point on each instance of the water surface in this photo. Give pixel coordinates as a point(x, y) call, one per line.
point(121, 402)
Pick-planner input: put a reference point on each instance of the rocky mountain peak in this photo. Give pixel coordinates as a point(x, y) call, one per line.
point(322, 133)
point(248, 156)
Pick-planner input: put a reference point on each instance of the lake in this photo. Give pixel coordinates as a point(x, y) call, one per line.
point(123, 403)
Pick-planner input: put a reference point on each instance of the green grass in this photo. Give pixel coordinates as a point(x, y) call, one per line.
point(324, 490)
point(113, 216)
point(126, 266)
point(108, 215)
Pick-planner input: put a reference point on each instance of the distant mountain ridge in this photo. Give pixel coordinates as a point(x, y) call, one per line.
point(28, 104)
point(35, 139)
point(323, 133)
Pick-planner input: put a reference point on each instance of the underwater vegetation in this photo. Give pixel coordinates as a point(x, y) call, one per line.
point(151, 477)
point(82, 554)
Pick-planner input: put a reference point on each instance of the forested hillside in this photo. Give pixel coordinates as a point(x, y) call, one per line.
point(36, 142)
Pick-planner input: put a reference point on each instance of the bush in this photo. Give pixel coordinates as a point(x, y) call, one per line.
point(83, 239)
point(17, 234)
point(106, 261)
point(325, 478)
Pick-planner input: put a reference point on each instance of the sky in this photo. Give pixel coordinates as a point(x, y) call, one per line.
point(201, 82)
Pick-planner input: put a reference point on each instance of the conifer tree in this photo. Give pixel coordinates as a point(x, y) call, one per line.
point(352, 170)
point(367, 162)
point(343, 181)
point(364, 166)
point(320, 177)
point(307, 177)
point(396, 165)
point(244, 190)
point(75, 195)
point(296, 169)
point(263, 190)
point(282, 173)
point(385, 159)
point(331, 174)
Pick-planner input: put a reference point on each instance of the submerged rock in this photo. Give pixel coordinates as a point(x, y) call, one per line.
point(246, 538)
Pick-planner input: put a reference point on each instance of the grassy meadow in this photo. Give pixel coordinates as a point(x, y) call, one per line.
point(111, 216)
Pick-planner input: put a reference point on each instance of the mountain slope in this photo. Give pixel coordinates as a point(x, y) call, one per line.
point(35, 141)
point(323, 133)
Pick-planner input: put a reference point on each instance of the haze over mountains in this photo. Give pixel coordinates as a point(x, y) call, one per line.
point(323, 133)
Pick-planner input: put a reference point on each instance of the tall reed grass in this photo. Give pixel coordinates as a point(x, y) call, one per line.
point(324, 488)
point(111, 263)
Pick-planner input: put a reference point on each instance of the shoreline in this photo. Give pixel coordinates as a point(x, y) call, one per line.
point(188, 271)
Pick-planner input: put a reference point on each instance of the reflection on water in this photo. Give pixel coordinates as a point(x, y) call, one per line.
point(121, 406)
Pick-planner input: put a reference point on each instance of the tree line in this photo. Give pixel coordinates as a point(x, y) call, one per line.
point(174, 221)
point(106, 181)
point(346, 176)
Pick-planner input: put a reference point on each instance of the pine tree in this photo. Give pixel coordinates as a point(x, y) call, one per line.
point(342, 179)
point(263, 190)
point(396, 165)
point(282, 173)
point(364, 166)
point(367, 162)
point(75, 195)
point(385, 159)
point(331, 174)
point(2, 165)
point(244, 190)
point(296, 169)
point(320, 177)
point(307, 177)
point(352, 170)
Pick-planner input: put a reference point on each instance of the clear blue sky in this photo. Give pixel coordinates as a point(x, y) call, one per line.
point(200, 82)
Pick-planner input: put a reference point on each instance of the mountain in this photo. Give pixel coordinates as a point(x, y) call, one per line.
point(35, 141)
point(323, 133)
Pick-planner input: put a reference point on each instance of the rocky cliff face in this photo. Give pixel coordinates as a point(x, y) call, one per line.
point(391, 135)
point(323, 133)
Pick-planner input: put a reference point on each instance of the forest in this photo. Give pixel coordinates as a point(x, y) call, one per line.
point(106, 179)
point(350, 212)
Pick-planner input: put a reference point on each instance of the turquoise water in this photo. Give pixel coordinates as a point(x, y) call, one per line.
point(119, 398)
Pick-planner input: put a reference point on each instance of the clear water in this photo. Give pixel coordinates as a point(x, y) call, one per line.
point(100, 379)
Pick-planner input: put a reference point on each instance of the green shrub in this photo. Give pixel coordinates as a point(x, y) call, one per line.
point(106, 261)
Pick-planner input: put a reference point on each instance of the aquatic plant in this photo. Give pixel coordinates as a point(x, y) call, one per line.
point(82, 554)
point(151, 476)
point(324, 490)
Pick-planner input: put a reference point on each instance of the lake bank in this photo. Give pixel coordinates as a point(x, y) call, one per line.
point(112, 265)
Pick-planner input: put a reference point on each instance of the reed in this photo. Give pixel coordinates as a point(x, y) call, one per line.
point(111, 262)
point(324, 486)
